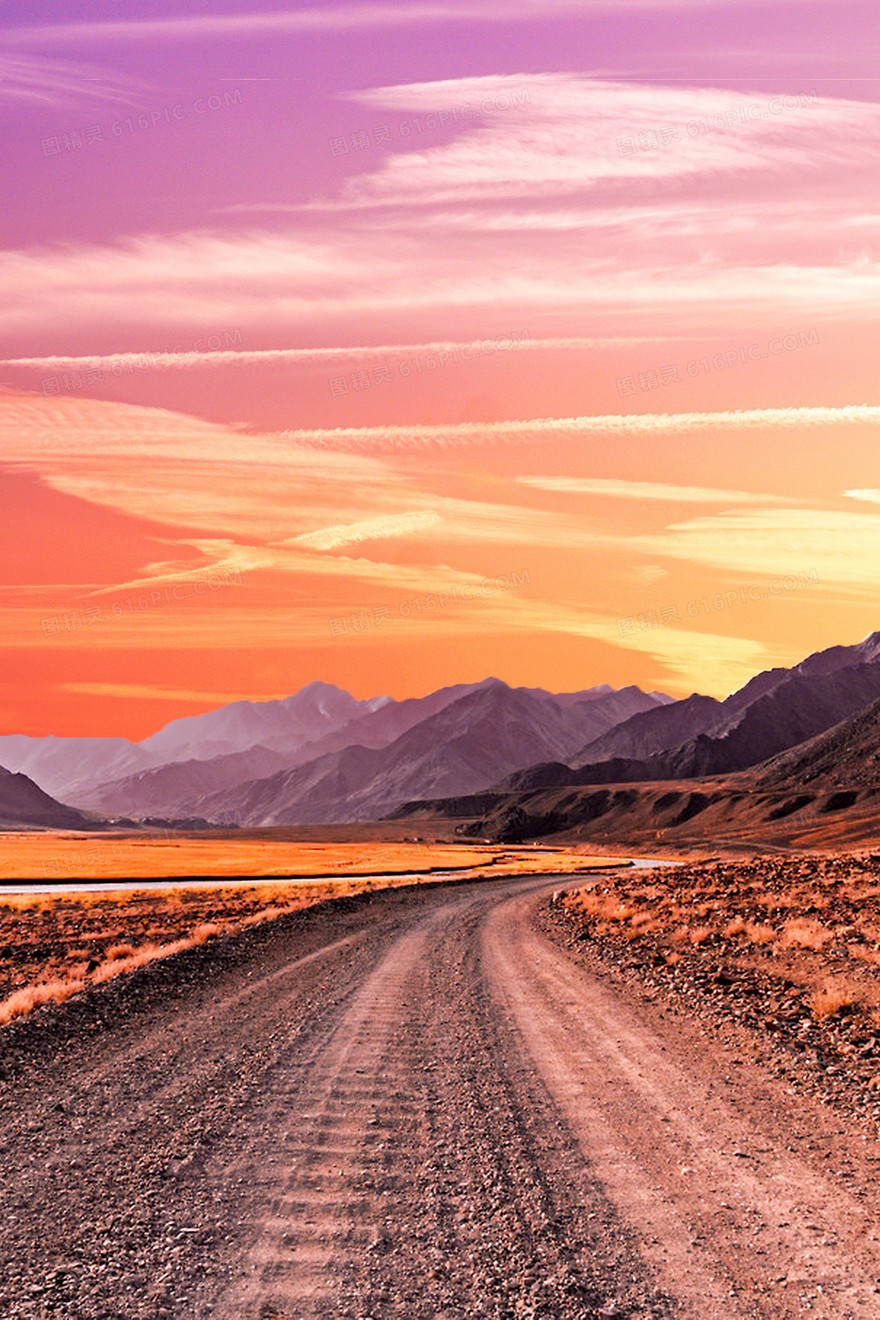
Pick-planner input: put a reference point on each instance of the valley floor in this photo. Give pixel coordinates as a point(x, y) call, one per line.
point(77, 910)
point(431, 1102)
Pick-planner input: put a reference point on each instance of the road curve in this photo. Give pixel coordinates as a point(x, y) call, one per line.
point(416, 1106)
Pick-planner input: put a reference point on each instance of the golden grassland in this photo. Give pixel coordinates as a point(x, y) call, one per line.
point(76, 858)
point(88, 857)
point(55, 944)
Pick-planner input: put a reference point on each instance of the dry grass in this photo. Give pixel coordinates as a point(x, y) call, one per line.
point(117, 951)
point(753, 932)
point(805, 933)
point(645, 923)
point(30, 997)
point(699, 934)
point(605, 907)
point(832, 999)
point(756, 933)
point(73, 858)
point(808, 922)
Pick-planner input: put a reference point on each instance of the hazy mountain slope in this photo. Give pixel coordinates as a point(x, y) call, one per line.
point(62, 766)
point(378, 728)
point(160, 791)
point(168, 787)
point(22, 803)
point(79, 769)
point(653, 730)
point(281, 726)
point(467, 745)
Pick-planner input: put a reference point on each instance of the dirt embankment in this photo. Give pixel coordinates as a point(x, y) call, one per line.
point(679, 815)
point(788, 946)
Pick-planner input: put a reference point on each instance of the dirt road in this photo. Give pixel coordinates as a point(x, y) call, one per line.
point(416, 1106)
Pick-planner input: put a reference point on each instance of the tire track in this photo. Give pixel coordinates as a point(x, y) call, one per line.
point(735, 1226)
point(322, 1141)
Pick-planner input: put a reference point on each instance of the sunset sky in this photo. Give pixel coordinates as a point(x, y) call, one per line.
point(400, 343)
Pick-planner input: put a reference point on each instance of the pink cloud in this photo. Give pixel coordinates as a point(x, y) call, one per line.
point(681, 228)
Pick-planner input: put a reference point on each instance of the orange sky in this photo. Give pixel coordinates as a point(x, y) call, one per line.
point(178, 564)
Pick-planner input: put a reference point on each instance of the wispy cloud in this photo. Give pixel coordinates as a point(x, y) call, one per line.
point(52, 82)
point(338, 18)
point(372, 529)
point(285, 515)
point(176, 360)
point(453, 236)
point(528, 136)
point(648, 490)
point(333, 18)
point(389, 439)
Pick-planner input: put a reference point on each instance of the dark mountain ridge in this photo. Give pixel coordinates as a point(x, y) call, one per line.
point(24, 805)
point(844, 756)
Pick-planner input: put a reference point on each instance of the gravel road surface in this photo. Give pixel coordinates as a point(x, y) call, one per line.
point(422, 1104)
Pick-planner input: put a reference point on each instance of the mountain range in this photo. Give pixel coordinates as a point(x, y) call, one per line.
point(819, 790)
point(822, 792)
point(322, 756)
point(700, 736)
